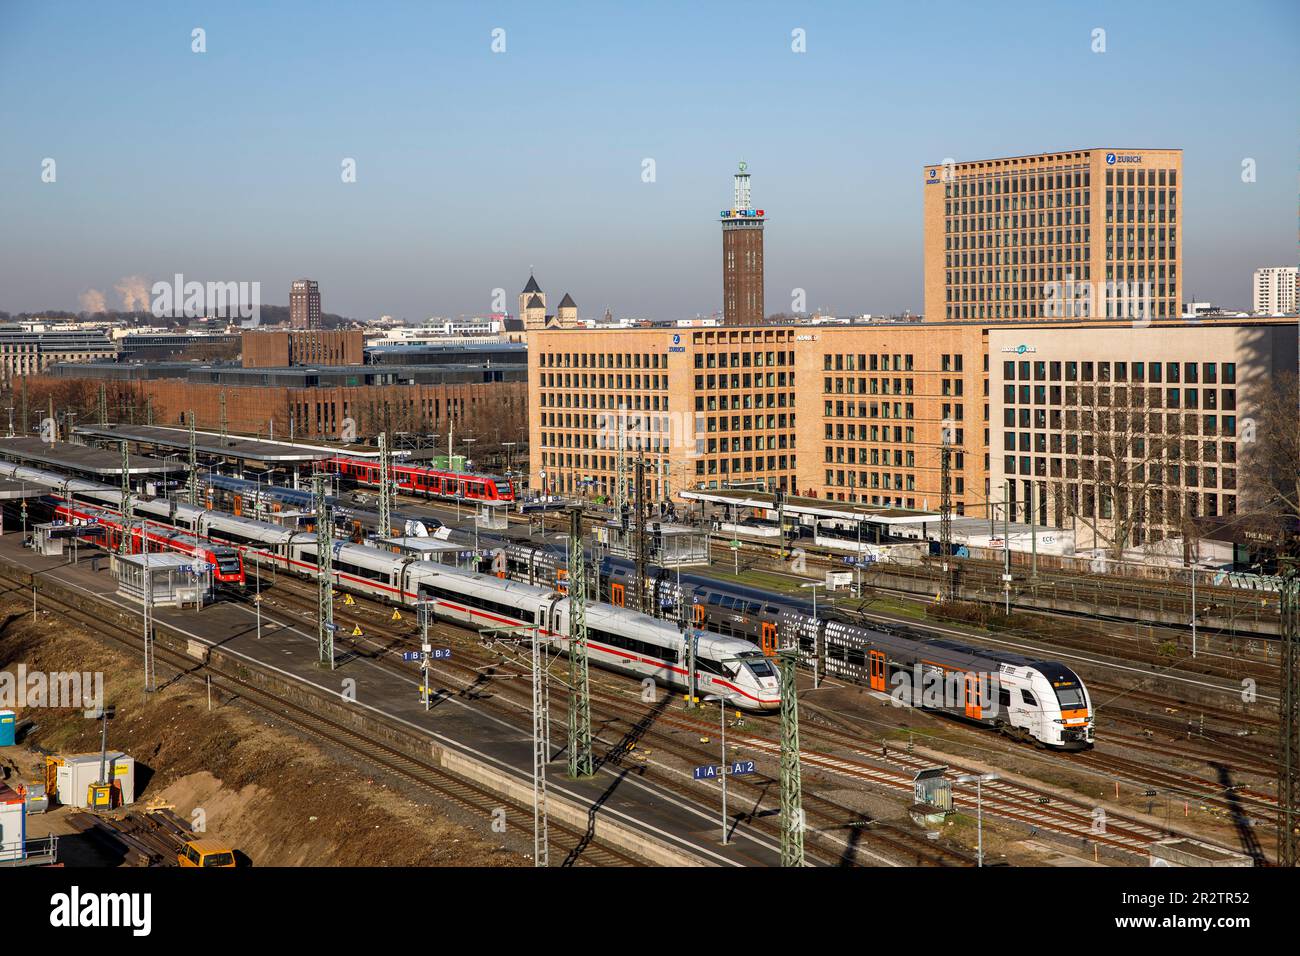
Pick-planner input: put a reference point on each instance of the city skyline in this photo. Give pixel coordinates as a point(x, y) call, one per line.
point(232, 169)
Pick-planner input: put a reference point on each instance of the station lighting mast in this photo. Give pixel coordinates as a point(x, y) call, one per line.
point(194, 464)
point(620, 478)
point(945, 515)
point(124, 546)
point(791, 770)
point(103, 406)
point(324, 573)
point(580, 758)
point(1288, 780)
point(385, 489)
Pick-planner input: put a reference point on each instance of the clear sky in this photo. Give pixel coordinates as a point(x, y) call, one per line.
point(473, 166)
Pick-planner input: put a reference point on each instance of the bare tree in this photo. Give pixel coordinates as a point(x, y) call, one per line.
point(1270, 459)
point(1124, 460)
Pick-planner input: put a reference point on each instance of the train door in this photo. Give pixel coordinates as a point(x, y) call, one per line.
point(698, 614)
point(238, 507)
point(616, 594)
point(974, 710)
point(561, 580)
point(768, 640)
point(877, 680)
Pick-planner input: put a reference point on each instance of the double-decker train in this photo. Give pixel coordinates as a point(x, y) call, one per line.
point(618, 638)
point(225, 562)
point(420, 480)
point(1039, 700)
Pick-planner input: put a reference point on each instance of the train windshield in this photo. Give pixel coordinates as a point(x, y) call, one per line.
point(1070, 697)
point(759, 665)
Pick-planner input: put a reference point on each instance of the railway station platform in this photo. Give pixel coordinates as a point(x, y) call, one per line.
point(288, 653)
point(80, 461)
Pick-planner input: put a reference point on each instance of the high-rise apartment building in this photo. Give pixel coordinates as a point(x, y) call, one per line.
point(742, 256)
point(1275, 290)
point(304, 304)
point(1089, 233)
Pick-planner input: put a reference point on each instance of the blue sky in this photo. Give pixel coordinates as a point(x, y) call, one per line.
point(473, 166)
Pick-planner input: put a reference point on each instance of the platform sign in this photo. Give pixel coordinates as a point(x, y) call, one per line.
point(436, 654)
point(738, 768)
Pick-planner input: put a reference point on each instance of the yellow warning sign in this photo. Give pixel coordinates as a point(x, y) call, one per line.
point(356, 630)
point(397, 615)
point(347, 599)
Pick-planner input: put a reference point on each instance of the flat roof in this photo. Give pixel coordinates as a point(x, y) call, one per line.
point(77, 458)
point(817, 507)
point(160, 560)
point(12, 490)
point(210, 443)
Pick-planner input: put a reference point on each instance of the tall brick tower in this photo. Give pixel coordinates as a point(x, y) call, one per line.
point(742, 257)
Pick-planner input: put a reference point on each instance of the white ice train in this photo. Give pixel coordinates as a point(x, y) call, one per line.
point(618, 638)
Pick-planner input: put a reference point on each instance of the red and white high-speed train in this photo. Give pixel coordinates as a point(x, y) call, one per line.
point(226, 563)
point(418, 480)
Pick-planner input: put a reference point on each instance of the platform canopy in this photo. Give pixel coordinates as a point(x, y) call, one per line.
point(75, 459)
point(212, 445)
point(813, 507)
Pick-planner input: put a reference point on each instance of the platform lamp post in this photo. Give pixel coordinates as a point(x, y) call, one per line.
point(979, 779)
point(722, 715)
point(508, 445)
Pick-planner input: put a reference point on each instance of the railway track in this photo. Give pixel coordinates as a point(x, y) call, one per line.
point(576, 846)
point(628, 731)
point(1034, 808)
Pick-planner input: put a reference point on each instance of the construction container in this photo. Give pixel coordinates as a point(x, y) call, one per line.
point(73, 776)
point(8, 727)
point(13, 824)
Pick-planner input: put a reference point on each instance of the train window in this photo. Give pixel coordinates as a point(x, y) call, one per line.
point(1004, 697)
point(1028, 698)
point(715, 600)
point(760, 667)
point(1069, 696)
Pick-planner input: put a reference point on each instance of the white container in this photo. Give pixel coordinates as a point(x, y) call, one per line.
point(76, 774)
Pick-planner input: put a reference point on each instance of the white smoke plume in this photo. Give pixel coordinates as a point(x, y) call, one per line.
point(134, 291)
point(92, 300)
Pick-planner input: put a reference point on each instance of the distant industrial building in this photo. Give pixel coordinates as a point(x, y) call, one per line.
point(304, 304)
point(406, 388)
point(277, 348)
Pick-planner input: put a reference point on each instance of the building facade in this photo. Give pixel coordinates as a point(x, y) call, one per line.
point(853, 413)
point(304, 304)
point(1274, 290)
point(30, 353)
point(1129, 435)
point(1089, 233)
point(742, 256)
point(281, 348)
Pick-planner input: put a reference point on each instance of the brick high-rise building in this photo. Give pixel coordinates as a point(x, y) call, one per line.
point(1086, 233)
point(304, 304)
point(742, 257)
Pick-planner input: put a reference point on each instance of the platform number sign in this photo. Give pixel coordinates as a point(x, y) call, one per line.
point(436, 654)
point(738, 768)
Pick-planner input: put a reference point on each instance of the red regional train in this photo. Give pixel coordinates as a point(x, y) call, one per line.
point(429, 482)
point(226, 562)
